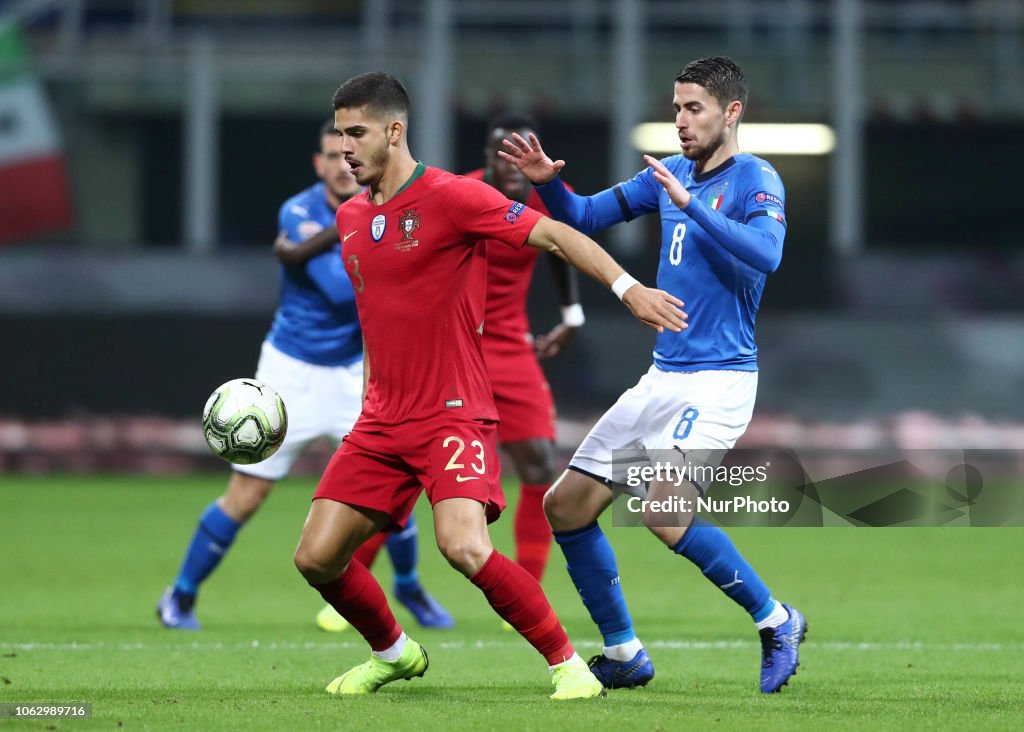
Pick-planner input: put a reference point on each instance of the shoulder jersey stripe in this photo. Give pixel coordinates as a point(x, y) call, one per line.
point(621, 198)
point(774, 214)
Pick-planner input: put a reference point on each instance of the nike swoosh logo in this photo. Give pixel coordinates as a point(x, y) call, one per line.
point(464, 478)
point(351, 233)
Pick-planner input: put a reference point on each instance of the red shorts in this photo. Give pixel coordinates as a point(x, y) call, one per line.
point(521, 391)
point(385, 471)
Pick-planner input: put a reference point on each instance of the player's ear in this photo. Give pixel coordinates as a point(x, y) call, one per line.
point(733, 112)
point(395, 129)
point(318, 164)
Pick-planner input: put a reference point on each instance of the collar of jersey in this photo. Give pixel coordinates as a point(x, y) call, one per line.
point(709, 174)
point(421, 168)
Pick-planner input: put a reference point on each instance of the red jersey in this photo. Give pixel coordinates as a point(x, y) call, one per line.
point(509, 272)
point(418, 267)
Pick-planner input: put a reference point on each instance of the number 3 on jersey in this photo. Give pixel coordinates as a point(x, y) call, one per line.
point(460, 447)
point(675, 249)
point(358, 284)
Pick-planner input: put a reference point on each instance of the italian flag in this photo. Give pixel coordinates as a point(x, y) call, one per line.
point(33, 176)
point(716, 201)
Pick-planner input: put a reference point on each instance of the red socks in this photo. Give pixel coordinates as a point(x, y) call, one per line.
point(519, 600)
point(358, 598)
point(367, 553)
point(510, 590)
point(531, 529)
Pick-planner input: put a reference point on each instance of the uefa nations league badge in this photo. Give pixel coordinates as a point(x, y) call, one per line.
point(377, 227)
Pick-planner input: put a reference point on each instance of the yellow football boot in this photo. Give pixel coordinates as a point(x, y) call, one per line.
point(367, 677)
point(574, 680)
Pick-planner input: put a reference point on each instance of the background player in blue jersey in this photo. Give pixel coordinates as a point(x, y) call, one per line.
point(313, 356)
point(723, 225)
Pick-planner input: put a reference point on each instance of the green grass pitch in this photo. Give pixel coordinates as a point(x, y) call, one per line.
point(909, 628)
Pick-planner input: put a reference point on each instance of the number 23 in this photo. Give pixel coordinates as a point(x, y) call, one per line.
point(460, 446)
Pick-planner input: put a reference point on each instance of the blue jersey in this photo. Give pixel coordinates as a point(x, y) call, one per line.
point(316, 320)
point(715, 254)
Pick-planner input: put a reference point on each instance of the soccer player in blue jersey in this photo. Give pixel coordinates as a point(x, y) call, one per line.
point(723, 224)
point(313, 356)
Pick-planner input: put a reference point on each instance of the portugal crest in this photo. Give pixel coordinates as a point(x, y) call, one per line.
point(408, 222)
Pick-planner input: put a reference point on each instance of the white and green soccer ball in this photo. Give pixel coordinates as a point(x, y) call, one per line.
point(244, 421)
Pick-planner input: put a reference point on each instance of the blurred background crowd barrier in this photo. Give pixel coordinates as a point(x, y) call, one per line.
point(146, 146)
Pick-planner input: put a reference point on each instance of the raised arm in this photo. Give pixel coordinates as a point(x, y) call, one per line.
point(588, 214)
point(655, 308)
point(757, 243)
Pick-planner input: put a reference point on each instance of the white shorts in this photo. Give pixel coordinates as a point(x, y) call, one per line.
point(668, 410)
point(322, 401)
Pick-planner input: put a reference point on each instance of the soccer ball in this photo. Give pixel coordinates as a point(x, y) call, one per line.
point(244, 421)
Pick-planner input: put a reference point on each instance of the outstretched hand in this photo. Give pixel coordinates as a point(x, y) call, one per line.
point(655, 308)
point(679, 195)
point(529, 157)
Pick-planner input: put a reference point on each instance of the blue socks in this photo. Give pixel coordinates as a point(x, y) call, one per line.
point(712, 550)
point(592, 567)
point(402, 548)
point(209, 544)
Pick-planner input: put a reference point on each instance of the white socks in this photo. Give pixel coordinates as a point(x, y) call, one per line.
point(777, 617)
point(570, 659)
point(394, 651)
point(623, 651)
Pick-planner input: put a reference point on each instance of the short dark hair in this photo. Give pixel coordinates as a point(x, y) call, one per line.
point(511, 121)
point(327, 128)
point(382, 94)
point(720, 76)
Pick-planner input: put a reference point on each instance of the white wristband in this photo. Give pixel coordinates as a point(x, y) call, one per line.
point(572, 315)
point(623, 283)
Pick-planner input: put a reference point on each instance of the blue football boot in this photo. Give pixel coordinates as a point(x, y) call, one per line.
point(177, 611)
point(623, 674)
point(780, 651)
point(428, 611)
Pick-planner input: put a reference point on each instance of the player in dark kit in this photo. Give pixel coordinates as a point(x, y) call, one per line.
point(412, 247)
point(526, 431)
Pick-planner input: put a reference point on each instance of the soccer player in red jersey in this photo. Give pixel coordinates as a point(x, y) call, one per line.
point(526, 430)
point(412, 248)
point(526, 410)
